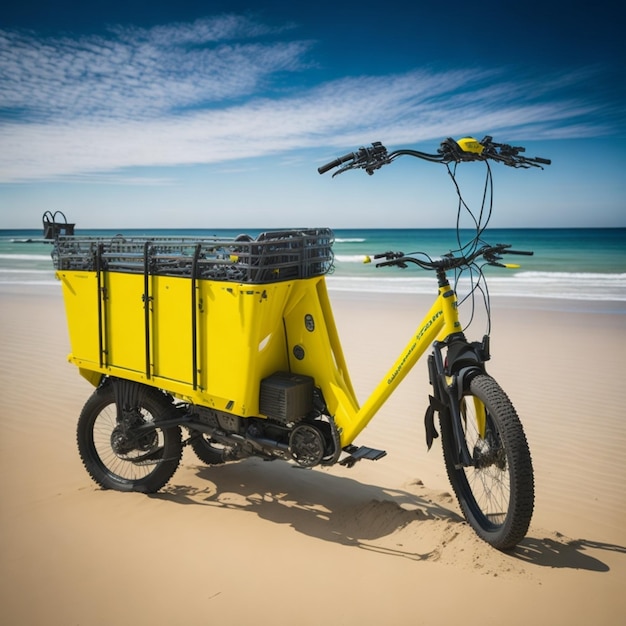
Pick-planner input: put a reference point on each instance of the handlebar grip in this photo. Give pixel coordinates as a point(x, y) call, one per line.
point(329, 166)
point(523, 252)
point(543, 161)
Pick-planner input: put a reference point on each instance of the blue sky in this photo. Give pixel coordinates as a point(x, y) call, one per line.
point(217, 114)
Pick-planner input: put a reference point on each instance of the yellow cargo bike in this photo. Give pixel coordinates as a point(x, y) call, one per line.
point(233, 341)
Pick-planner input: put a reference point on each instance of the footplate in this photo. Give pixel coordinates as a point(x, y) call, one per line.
point(363, 452)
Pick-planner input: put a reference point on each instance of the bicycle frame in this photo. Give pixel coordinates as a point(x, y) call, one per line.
point(350, 418)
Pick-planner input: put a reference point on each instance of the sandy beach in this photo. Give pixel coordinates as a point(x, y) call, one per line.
point(268, 543)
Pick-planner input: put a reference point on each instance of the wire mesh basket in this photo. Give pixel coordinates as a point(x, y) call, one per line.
point(271, 257)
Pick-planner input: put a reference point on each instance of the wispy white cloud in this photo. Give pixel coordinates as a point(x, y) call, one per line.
point(140, 73)
point(213, 91)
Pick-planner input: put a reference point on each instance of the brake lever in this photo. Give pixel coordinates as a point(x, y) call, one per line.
point(371, 159)
point(494, 255)
point(522, 252)
point(397, 262)
point(390, 255)
point(391, 258)
point(343, 169)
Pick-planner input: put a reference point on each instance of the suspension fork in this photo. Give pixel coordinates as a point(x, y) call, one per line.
point(449, 381)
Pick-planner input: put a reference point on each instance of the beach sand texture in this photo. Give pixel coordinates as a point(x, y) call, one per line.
point(268, 543)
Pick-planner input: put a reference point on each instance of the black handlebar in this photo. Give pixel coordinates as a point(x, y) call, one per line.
point(466, 149)
point(491, 255)
point(369, 159)
point(509, 155)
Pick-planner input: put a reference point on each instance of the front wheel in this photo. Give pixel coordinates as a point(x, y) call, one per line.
point(496, 493)
point(125, 449)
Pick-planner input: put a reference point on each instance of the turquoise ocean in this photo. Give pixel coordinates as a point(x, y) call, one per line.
point(574, 264)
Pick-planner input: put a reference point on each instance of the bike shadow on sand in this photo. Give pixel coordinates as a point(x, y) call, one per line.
point(316, 503)
point(560, 551)
point(340, 509)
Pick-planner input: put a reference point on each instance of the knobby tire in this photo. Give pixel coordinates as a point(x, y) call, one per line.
point(496, 494)
point(207, 450)
point(145, 464)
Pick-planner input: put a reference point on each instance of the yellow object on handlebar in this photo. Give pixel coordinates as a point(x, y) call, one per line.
point(469, 144)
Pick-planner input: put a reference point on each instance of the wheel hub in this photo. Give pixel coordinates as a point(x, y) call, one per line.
point(124, 438)
point(487, 452)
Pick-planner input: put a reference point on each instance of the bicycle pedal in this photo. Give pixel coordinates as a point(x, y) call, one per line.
point(363, 452)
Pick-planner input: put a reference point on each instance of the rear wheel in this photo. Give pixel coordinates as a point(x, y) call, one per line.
point(496, 493)
point(125, 449)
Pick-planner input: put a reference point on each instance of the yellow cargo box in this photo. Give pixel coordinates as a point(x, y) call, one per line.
point(204, 320)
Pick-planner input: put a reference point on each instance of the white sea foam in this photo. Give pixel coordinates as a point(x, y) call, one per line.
point(8, 270)
point(564, 285)
point(30, 283)
point(579, 277)
point(15, 276)
point(575, 286)
point(25, 257)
